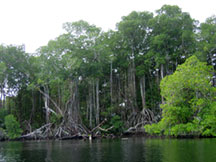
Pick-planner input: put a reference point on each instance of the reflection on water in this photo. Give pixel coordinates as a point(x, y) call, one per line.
point(131, 150)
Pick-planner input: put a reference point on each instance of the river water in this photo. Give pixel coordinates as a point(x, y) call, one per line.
point(107, 150)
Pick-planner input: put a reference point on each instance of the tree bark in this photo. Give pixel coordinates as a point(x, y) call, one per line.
point(87, 107)
point(33, 107)
point(59, 95)
point(143, 92)
point(46, 91)
point(50, 99)
point(90, 106)
point(162, 76)
point(132, 85)
point(97, 103)
point(111, 83)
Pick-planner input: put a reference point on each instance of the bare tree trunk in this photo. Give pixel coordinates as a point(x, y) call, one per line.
point(167, 69)
point(46, 91)
point(143, 92)
point(94, 101)
point(132, 85)
point(1, 100)
point(111, 84)
point(87, 107)
point(162, 76)
point(97, 103)
point(162, 71)
point(33, 107)
point(157, 77)
point(4, 100)
point(59, 95)
point(176, 64)
point(134, 79)
point(119, 89)
point(90, 106)
point(76, 102)
point(46, 95)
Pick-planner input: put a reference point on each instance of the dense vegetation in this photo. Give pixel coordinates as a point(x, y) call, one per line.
point(190, 107)
point(86, 81)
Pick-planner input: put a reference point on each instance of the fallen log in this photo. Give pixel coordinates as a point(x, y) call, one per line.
point(99, 125)
point(137, 128)
point(38, 133)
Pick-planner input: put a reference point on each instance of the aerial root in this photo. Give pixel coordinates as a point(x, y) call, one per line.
point(137, 120)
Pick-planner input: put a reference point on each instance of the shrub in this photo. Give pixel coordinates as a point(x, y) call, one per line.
point(3, 113)
point(12, 127)
point(190, 107)
point(117, 123)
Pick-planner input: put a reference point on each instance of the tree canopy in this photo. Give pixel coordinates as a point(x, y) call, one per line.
point(190, 101)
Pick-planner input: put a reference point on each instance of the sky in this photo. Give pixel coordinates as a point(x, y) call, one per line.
point(35, 22)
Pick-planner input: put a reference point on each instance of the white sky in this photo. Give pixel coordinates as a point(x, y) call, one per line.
point(35, 22)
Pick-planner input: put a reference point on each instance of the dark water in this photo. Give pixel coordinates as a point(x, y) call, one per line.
point(118, 150)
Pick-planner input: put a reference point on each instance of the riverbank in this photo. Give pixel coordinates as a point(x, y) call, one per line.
point(109, 136)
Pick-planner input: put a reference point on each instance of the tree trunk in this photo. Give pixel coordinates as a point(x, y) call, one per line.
point(93, 101)
point(46, 103)
point(143, 92)
point(132, 85)
point(119, 89)
point(162, 71)
point(46, 95)
point(76, 102)
point(162, 76)
point(4, 100)
point(111, 84)
point(176, 63)
point(59, 95)
point(157, 78)
point(1, 99)
point(33, 107)
point(2, 96)
point(97, 103)
point(87, 107)
point(90, 106)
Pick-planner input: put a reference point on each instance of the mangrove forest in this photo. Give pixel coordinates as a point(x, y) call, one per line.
point(155, 74)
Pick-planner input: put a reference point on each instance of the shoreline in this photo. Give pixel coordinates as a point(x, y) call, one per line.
point(110, 136)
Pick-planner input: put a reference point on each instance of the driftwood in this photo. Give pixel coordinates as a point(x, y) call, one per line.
point(59, 132)
point(136, 128)
point(106, 130)
point(38, 133)
point(66, 130)
point(98, 126)
point(57, 107)
point(72, 130)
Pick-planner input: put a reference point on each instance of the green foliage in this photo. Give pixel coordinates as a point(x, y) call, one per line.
point(107, 113)
point(117, 123)
point(3, 113)
point(153, 129)
point(189, 107)
point(209, 122)
point(184, 129)
point(12, 127)
point(207, 37)
point(144, 48)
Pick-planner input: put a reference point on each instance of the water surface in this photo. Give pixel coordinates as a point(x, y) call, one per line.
point(117, 150)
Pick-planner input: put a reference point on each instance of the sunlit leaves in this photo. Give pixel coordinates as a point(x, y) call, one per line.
point(189, 105)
